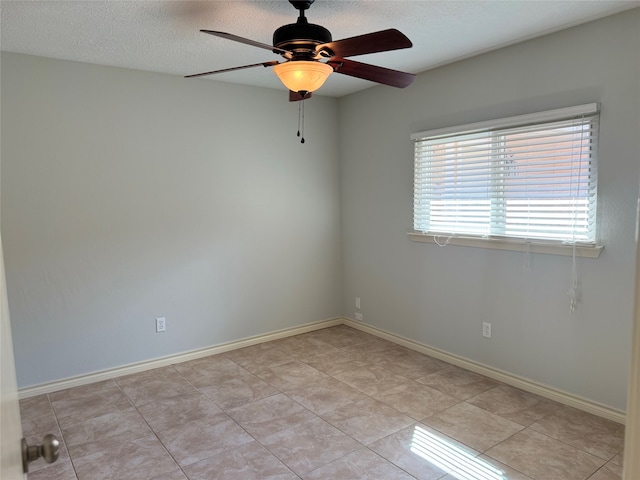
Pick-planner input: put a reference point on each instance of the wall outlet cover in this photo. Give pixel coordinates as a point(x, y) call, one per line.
point(161, 325)
point(486, 329)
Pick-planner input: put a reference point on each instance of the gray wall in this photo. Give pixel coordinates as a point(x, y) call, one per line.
point(129, 195)
point(440, 296)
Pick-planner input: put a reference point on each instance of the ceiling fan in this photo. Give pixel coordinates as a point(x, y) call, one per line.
point(310, 55)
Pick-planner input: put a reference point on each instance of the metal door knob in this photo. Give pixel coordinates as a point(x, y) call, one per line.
point(48, 450)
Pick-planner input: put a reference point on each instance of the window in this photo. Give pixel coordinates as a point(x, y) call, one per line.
point(530, 178)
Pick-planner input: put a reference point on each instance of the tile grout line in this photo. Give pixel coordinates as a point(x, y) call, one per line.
point(369, 396)
point(55, 416)
point(552, 438)
point(295, 356)
point(152, 430)
point(233, 419)
point(280, 392)
point(529, 427)
point(362, 445)
point(245, 430)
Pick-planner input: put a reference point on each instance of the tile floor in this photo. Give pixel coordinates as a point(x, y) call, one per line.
point(332, 404)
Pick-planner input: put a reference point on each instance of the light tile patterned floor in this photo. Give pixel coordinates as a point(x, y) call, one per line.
point(332, 404)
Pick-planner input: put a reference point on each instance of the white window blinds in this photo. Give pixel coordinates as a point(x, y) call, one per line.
point(530, 177)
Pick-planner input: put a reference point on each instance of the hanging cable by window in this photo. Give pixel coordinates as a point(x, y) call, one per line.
point(573, 286)
point(445, 243)
point(526, 257)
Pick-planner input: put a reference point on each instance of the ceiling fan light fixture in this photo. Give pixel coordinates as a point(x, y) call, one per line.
point(302, 75)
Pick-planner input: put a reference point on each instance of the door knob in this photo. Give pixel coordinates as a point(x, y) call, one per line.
point(49, 451)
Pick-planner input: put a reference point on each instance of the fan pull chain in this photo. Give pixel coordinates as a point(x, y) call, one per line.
point(299, 107)
point(301, 119)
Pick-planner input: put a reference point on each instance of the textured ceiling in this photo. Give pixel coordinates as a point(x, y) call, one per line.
point(163, 36)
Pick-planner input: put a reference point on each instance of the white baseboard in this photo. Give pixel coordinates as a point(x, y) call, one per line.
point(559, 396)
point(522, 383)
point(172, 359)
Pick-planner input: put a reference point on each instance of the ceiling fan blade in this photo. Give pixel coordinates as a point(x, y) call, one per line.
point(264, 64)
point(381, 41)
point(386, 76)
point(246, 41)
point(296, 96)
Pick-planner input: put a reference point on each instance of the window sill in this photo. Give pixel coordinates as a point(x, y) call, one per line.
point(513, 245)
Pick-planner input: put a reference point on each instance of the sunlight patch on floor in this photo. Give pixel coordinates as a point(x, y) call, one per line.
point(451, 458)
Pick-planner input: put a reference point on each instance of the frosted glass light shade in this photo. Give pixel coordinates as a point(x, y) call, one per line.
point(303, 76)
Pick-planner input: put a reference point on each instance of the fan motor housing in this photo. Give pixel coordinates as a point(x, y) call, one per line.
point(297, 37)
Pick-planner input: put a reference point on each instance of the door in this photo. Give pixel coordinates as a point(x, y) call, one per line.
point(632, 439)
point(10, 428)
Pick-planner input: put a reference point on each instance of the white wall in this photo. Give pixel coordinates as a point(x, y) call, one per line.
point(129, 195)
point(441, 296)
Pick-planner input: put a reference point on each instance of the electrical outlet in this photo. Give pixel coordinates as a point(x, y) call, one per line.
point(357, 303)
point(359, 316)
point(486, 329)
point(161, 324)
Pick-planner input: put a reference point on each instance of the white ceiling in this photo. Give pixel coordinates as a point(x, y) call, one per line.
point(163, 36)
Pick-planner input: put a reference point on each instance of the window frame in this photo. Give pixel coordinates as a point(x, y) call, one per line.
point(504, 242)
